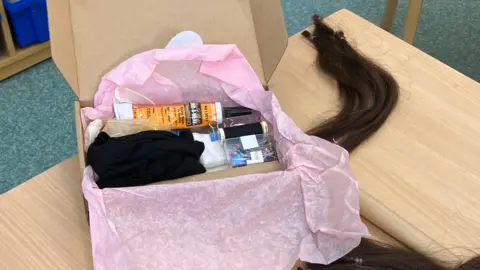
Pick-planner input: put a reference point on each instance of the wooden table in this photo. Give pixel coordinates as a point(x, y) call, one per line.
point(419, 175)
point(43, 223)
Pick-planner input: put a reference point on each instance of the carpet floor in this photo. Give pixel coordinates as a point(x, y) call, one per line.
point(36, 121)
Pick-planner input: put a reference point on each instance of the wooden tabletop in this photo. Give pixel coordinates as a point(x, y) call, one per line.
point(43, 223)
point(420, 174)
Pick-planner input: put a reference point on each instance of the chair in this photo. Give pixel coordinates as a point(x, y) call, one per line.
point(411, 21)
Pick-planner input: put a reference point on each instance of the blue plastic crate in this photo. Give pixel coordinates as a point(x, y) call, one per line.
point(28, 21)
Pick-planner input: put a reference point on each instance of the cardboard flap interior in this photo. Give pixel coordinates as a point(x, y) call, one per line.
point(62, 41)
point(267, 167)
point(272, 37)
point(91, 37)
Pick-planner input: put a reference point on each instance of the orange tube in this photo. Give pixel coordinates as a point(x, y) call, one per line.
point(183, 116)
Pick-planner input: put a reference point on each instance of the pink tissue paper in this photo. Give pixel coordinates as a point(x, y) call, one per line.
point(310, 210)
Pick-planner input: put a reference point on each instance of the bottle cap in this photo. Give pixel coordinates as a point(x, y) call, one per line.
point(219, 111)
point(236, 111)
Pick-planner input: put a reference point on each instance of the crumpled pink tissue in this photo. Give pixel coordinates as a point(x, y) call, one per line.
point(310, 210)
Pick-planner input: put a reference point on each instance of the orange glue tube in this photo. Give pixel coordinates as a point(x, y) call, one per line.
point(179, 116)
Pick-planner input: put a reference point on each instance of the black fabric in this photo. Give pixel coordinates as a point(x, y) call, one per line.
point(144, 158)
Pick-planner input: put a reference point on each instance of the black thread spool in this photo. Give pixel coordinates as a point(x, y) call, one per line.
point(243, 130)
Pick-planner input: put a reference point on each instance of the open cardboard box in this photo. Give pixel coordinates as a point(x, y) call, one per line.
point(89, 38)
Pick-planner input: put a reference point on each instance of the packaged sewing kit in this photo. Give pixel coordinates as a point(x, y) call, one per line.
point(248, 150)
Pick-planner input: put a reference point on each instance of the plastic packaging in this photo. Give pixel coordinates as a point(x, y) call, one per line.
point(190, 115)
point(214, 155)
point(118, 128)
point(247, 150)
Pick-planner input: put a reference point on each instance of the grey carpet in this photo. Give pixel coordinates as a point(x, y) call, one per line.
point(36, 121)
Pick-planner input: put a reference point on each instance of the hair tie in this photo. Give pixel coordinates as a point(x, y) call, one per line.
point(307, 34)
point(339, 35)
point(356, 260)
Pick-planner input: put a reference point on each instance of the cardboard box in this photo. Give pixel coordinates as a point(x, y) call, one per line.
point(90, 37)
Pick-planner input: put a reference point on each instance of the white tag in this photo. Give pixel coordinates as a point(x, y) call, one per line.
point(249, 142)
point(123, 111)
point(256, 157)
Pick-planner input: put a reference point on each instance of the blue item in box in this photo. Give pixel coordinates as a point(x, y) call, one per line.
point(28, 20)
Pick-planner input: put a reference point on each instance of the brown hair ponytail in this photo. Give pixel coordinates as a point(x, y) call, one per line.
point(368, 95)
point(377, 256)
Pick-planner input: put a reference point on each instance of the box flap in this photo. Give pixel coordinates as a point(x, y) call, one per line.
point(62, 43)
point(272, 37)
point(91, 37)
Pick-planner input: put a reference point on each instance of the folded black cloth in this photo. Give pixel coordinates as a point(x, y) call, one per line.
point(144, 158)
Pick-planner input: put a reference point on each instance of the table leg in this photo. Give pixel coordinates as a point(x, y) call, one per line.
point(389, 15)
point(411, 22)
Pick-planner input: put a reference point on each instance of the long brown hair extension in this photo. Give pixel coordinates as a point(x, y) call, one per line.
point(374, 255)
point(368, 95)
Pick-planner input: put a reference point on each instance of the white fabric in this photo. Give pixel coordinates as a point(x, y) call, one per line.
point(92, 131)
point(214, 154)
